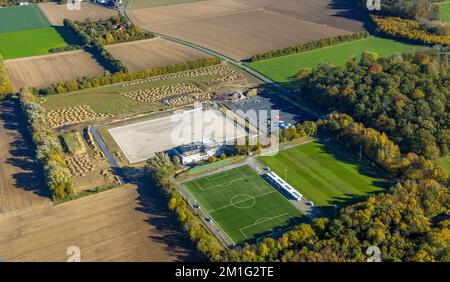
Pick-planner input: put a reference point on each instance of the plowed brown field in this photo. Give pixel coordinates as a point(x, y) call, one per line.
point(242, 28)
point(57, 13)
point(155, 52)
point(123, 224)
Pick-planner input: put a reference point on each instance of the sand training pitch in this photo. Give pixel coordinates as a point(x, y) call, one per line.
point(141, 141)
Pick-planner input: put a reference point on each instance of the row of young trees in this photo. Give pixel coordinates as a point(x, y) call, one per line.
point(407, 96)
point(115, 29)
point(330, 41)
point(107, 78)
point(5, 83)
point(96, 46)
point(404, 222)
point(48, 149)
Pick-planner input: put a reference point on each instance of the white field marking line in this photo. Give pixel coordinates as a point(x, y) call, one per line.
point(240, 172)
point(215, 177)
point(220, 227)
point(265, 220)
point(221, 185)
point(238, 202)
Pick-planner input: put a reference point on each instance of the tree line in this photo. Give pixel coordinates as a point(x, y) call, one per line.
point(48, 149)
point(310, 46)
point(5, 83)
point(96, 47)
point(426, 32)
point(406, 96)
point(408, 9)
point(108, 78)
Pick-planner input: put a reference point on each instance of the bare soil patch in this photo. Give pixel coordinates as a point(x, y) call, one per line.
point(42, 71)
point(21, 184)
point(57, 13)
point(130, 223)
point(339, 14)
point(187, 12)
point(155, 52)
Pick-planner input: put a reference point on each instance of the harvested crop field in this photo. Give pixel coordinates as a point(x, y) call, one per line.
point(338, 14)
point(236, 29)
point(155, 52)
point(123, 224)
point(21, 184)
point(139, 4)
point(57, 13)
point(43, 71)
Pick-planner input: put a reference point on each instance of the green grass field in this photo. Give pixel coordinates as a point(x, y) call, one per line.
point(446, 162)
point(283, 69)
point(31, 42)
point(140, 4)
point(22, 18)
point(326, 174)
point(243, 204)
point(444, 9)
point(70, 142)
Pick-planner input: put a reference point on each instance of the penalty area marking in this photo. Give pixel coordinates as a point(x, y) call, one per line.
point(259, 221)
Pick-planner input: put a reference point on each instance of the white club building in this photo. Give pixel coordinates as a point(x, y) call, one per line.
point(198, 151)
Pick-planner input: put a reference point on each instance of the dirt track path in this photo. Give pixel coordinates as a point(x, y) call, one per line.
point(21, 185)
point(129, 223)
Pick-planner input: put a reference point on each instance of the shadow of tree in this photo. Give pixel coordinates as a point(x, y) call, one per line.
point(22, 149)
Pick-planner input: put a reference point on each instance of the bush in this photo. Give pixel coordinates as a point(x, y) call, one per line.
point(48, 149)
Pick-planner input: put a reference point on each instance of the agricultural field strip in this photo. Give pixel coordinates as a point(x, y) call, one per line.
point(19, 18)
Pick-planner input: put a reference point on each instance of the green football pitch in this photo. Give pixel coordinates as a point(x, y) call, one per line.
point(283, 69)
point(327, 174)
point(243, 204)
point(444, 10)
point(22, 18)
